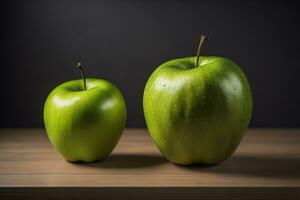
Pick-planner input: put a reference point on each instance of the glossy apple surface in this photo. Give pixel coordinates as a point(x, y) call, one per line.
point(197, 114)
point(85, 125)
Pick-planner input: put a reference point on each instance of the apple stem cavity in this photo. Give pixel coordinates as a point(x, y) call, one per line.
point(79, 66)
point(203, 38)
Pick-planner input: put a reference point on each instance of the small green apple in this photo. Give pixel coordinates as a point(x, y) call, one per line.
point(84, 121)
point(197, 108)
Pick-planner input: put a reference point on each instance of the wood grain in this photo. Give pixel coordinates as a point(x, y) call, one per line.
point(266, 164)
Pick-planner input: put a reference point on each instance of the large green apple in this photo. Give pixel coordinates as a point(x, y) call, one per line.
point(197, 113)
point(85, 121)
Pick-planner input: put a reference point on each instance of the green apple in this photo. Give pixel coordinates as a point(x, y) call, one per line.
point(197, 108)
point(84, 121)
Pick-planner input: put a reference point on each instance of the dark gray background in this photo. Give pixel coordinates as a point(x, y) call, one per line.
point(124, 41)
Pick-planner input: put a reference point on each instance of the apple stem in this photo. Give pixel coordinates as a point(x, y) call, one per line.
point(203, 38)
point(82, 75)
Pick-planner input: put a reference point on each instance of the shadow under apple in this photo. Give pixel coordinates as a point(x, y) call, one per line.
point(258, 166)
point(126, 161)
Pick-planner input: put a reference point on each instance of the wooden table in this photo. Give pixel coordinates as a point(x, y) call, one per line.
point(265, 166)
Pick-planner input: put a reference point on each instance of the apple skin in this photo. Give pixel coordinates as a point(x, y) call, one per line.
point(85, 125)
point(197, 115)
